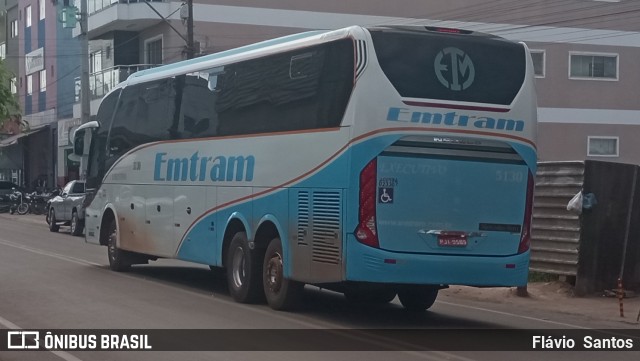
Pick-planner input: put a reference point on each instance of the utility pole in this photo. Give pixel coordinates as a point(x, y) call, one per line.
point(189, 47)
point(190, 44)
point(85, 103)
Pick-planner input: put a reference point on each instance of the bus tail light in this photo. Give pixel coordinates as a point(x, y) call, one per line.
point(448, 30)
point(367, 232)
point(525, 238)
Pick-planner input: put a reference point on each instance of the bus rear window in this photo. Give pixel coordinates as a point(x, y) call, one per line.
point(451, 67)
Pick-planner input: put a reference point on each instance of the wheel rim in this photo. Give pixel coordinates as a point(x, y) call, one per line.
point(73, 224)
point(274, 273)
point(238, 265)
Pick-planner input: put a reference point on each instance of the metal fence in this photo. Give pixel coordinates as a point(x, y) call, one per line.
point(555, 232)
point(101, 82)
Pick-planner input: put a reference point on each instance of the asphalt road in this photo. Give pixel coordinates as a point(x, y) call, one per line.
point(56, 281)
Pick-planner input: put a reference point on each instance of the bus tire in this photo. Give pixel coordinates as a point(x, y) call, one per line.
point(417, 299)
point(243, 270)
point(119, 260)
point(282, 293)
point(53, 225)
point(76, 224)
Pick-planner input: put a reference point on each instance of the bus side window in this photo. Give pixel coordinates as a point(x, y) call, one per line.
point(198, 115)
point(300, 89)
point(145, 114)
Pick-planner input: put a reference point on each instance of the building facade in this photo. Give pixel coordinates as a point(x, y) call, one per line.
point(585, 52)
point(44, 59)
point(11, 160)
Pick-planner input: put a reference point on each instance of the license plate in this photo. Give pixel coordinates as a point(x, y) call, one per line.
point(452, 241)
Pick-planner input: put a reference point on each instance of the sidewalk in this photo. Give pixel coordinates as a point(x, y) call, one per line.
point(27, 218)
point(555, 296)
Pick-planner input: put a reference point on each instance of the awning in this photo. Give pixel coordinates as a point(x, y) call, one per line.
point(14, 138)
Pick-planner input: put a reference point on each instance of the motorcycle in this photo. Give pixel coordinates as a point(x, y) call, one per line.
point(38, 202)
point(18, 204)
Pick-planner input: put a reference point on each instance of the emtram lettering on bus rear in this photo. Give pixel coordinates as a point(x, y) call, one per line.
point(453, 119)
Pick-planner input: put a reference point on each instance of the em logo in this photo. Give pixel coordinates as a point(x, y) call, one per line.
point(454, 69)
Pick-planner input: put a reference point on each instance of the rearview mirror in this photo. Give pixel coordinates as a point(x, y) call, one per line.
point(82, 144)
point(81, 136)
point(78, 145)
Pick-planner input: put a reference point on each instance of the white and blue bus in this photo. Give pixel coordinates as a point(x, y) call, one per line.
point(376, 161)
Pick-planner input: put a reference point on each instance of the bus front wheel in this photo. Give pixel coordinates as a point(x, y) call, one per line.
point(119, 260)
point(417, 299)
point(243, 270)
point(281, 293)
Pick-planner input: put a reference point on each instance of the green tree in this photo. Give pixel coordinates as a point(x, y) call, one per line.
point(8, 104)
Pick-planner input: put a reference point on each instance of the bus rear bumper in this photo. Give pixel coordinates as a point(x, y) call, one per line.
point(367, 264)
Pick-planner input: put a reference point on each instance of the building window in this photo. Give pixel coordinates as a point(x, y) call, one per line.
point(43, 80)
point(14, 28)
point(153, 50)
point(603, 146)
point(27, 16)
point(14, 87)
point(3, 51)
point(42, 8)
point(538, 57)
point(29, 84)
point(593, 66)
point(95, 62)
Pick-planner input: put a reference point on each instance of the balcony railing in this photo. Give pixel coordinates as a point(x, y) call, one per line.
point(101, 82)
point(93, 6)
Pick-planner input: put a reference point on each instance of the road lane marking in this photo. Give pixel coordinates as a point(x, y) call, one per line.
point(513, 315)
point(62, 354)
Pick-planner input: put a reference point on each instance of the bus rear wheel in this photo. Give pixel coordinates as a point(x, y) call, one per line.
point(282, 293)
point(243, 270)
point(119, 260)
point(417, 299)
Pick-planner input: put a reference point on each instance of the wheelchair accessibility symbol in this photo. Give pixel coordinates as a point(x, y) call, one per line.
point(385, 195)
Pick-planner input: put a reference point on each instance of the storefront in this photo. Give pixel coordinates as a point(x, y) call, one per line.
point(25, 158)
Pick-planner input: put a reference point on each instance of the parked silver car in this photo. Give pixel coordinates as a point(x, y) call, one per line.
point(66, 209)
